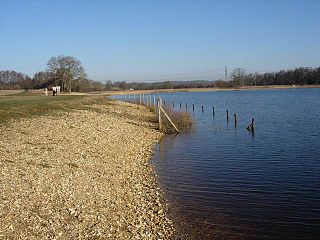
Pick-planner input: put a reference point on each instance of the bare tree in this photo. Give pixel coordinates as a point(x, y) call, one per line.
point(238, 76)
point(108, 85)
point(66, 70)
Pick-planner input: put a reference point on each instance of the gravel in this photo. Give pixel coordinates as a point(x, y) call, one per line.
point(84, 174)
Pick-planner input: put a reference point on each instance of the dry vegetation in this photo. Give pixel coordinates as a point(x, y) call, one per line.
point(79, 171)
point(181, 119)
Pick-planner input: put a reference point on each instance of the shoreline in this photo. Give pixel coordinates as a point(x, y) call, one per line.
point(269, 87)
point(82, 174)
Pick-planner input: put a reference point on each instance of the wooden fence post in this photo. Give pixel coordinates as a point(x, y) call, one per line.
point(159, 113)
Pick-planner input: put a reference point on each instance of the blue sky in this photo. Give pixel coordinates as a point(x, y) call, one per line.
point(160, 40)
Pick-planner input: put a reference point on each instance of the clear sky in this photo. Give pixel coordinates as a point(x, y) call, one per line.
point(160, 40)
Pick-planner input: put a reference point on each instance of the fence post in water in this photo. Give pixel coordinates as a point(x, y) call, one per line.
point(192, 107)
point(235, 120)
point(180, 104)
point(212, 110)
point(202, 108)
point(159, 113)
point(251, 127)
point(227, 116)
point(173, 104)
point(186, 106)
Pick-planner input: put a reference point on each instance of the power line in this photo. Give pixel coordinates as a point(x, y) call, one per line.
point(156, 75)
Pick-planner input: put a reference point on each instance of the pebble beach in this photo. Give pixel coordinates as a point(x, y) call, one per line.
point(82, 174)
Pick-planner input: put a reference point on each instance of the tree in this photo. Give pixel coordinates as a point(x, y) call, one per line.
point(67, 71)
point(123, 85)
point(41, 79)
point(108, 85)
point(238, 76)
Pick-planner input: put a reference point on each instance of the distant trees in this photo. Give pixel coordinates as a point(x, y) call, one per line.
point(14, 80)
point(123, 85)
point(298, 76)
point(66, 71)
point(42, 79)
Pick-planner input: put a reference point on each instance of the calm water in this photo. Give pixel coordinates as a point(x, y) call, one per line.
point(223, 182)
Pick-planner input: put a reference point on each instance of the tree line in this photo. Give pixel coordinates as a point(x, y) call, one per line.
point(68, 72)
point(64, 71)
point(298, 76)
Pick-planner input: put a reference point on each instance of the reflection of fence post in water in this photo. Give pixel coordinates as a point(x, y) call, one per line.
point(227, 116)
point(251, 127)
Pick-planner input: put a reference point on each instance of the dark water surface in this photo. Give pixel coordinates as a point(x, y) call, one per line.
point(225, 183)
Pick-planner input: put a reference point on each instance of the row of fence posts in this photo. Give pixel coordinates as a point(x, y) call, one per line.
point(155, 102)
point(149, 101)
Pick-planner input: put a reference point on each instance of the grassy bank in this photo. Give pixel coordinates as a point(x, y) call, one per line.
point(15, 107)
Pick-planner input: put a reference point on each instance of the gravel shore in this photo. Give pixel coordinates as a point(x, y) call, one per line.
point(83, 174)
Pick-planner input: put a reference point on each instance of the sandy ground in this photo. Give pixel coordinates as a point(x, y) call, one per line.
point(82, 175)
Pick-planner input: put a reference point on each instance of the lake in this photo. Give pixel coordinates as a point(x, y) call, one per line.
point(224, 182)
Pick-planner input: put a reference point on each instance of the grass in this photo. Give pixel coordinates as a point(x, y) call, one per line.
point(19, 106)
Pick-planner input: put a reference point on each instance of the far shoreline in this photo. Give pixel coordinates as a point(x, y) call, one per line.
point(270, 87)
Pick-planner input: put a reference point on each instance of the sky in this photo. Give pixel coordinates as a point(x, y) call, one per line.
point(159, 40)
